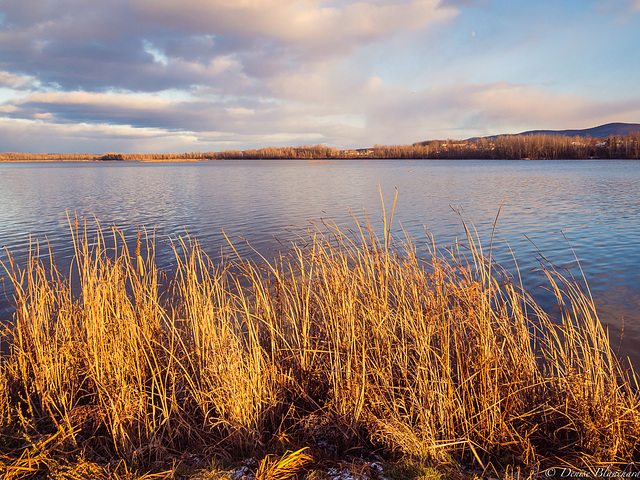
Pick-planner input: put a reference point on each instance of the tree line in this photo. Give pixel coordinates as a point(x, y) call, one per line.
point(537, 146)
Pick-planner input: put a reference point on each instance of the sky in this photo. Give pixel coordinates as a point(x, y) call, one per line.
point(213, 75)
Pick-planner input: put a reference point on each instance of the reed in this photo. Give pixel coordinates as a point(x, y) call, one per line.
point(347, 339)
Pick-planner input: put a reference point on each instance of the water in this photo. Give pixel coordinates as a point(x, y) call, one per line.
point(594, 204)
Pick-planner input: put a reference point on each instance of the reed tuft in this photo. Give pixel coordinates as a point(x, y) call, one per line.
point(345, 342)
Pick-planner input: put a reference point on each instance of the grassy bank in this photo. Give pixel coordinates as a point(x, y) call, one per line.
point(351, 345)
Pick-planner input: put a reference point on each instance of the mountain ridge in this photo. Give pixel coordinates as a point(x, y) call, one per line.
point(601, 131)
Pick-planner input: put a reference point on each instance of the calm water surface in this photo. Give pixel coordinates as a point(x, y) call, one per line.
point(594, 204)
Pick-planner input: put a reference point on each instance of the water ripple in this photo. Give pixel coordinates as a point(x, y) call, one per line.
point(566, 209)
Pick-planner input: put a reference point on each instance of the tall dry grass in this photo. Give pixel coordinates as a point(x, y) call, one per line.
point(348, 339)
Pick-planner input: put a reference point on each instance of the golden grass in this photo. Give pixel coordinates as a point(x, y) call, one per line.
point(172, 160)
point(285, 467)
point(359, 341)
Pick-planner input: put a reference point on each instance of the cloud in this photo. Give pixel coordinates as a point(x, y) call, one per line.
point(104, 45)
point(119, 65)
point(248, 73)
point(336, 113)
point(17, 82)
point(153, 45)
point(127, 110)
point(297, 22)
point(19, 135)
point(201, 118)
point(237, 68)
point(636, 5)
point(464, 3)
point(503, 107)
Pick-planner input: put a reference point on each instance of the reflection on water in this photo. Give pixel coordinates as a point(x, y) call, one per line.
point(591, 208)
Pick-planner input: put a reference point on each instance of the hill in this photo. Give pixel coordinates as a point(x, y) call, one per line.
point(602, 131)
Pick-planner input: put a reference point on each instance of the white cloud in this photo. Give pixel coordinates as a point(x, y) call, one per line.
point(297, 22)
point(372, 84)
point(308, 87)
point(240, 112)
point(19, 135)
point(14, 81)
point(100, 100)
point(504, 107)
point(371, 112)
point(8, 108)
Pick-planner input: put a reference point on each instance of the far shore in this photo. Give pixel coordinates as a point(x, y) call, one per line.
point(508, 147)
point(66, 159)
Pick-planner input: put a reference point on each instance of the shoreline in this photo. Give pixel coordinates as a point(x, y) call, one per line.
point(333, 159)
point(507, 147)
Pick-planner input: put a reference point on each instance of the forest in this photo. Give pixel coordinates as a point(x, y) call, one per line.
point(503, 147)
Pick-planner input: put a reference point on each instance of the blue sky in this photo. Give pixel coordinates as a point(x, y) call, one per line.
point(201, 75)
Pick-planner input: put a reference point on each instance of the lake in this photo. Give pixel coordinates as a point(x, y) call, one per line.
point(586, 209)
